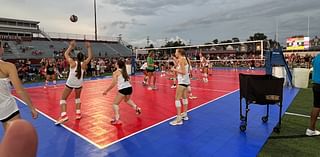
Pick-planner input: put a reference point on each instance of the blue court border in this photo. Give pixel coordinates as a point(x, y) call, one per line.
point(213, 130)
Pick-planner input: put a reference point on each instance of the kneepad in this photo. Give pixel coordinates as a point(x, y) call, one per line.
point(62, 102)
point(78, 101)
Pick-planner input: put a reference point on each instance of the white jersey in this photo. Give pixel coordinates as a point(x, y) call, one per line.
point(204, 62)
point(144, 66)
point(184, 79)
point(73, 80)
point(122, 84)
point(8, 104)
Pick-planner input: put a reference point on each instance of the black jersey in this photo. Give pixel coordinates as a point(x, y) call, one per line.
point(50, 69)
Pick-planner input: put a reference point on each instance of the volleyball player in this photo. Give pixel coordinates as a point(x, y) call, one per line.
point(151, 68)
point(145, 73)
point(191, 96)
point(9, 110)
point(75, 80)
point(204, 65)
point(163, 69)
point(173, 65)
point(182, 69)
point(50, 71)
point(121, 78)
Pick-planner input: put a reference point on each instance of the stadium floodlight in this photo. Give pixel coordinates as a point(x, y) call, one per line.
point(95, 20)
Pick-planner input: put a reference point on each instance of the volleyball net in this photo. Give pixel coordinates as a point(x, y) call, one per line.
point(233, 55)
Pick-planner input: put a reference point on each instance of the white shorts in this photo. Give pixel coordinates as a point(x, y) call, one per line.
point(7, 108)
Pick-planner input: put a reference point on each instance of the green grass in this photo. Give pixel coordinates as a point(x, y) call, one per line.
point(292, 142)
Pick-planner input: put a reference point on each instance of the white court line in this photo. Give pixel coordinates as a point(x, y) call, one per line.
point(299, 115)
point(64, 126)
point(214, 80)
point(140, 131)
point(223, 91)
point(102, 147)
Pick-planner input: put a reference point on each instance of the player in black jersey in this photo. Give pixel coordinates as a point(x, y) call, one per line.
point(50, 71)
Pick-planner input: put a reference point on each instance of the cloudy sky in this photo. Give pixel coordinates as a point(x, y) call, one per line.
point(195, 21)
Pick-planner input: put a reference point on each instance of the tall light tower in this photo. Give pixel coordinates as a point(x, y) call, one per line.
point(95, 20)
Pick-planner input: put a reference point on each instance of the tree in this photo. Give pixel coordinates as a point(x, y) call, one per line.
point(258, 36)
point(235, 39)
point(150, 46)
point(215, 41)
point(174, 44)
point(226, 41)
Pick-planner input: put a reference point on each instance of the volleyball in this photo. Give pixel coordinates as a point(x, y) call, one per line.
point(73, 18)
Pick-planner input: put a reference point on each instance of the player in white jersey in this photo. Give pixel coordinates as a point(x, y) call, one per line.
point(121, 78)
point(75, 80)
point(172, 65)
point(191, 96)
point(204, 64)
point(182, 69)
point(145, 73)
point(8, 108)
point(163, 69)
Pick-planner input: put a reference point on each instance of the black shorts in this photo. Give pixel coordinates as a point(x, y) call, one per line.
point(184, 85)
point(126, 91)
point(150, 70)
point(316, 95)
point(10, 117)
point(73, 87)
point(50, 73)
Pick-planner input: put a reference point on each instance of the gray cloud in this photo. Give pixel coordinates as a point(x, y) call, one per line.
point(256, 12)
point(123, 24)
point(150, 7)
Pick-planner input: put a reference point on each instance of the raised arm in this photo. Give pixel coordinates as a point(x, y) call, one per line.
point(72, 45)
point(90, 53)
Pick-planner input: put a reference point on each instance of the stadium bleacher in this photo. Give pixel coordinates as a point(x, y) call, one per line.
point(42, 48)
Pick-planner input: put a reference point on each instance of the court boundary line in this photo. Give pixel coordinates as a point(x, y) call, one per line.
point(135, 133)
point(64, 126)
point(298, 115)
point(192, 87)
point(163, 121)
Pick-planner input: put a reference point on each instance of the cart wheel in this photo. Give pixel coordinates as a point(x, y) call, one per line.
point(242, 118)
point(276, 129)
point(243, 127)
point(264, 119)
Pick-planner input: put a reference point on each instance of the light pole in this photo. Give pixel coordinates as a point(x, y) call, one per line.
point(95, 20)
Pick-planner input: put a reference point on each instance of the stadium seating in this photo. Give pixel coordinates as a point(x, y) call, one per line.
point(37, 49)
